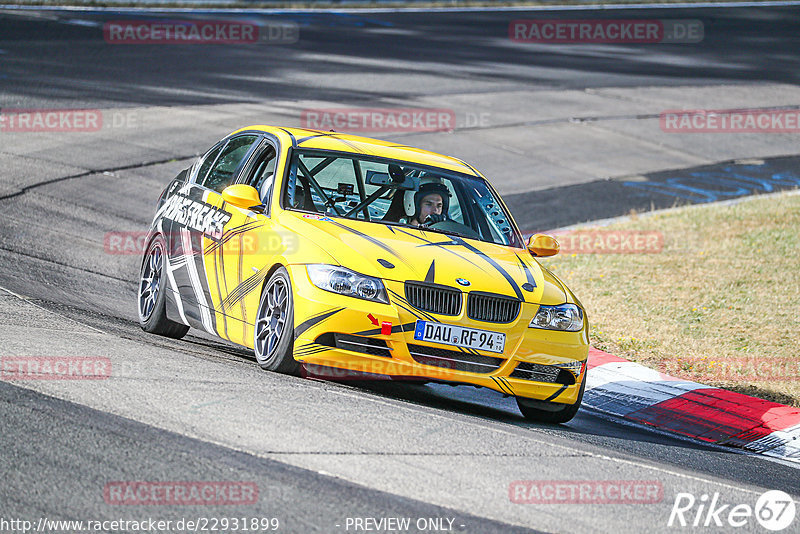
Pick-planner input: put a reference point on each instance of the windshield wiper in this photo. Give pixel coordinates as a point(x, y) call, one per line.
point(439, 231)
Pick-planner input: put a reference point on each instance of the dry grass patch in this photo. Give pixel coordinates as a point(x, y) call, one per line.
point(720, 304)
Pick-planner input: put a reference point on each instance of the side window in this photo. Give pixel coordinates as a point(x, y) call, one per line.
point(222, 173)
point(335, 176)
point(209, 160)
point(264, 173)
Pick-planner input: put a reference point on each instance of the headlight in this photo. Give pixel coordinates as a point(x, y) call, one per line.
point(565, 317)
point(346, 282)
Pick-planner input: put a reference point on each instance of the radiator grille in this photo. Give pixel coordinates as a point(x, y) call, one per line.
point(434, 298)
point(492, 308)
point(452, 359)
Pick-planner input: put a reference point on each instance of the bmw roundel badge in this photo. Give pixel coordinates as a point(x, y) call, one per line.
point(462, 282)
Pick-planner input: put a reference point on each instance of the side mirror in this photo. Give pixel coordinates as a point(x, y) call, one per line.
point(241, 196)
point(541, 245)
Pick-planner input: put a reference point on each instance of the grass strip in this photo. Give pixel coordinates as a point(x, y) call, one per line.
point(718, 304)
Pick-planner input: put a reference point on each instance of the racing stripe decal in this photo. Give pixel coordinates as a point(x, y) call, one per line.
point(398, 328)
point(507, 383)
point(230, 234)
point(310, 348)
point(170, 268)
point(241, 291)
point(412, 326)
point(442, 244)
point(501, 385)
point(372, 240)
point(458, 241)
point(173, 296)
point(431, 271)
point(403, 303)
point(312, 321)
point(557, 393)
point(194, 278)
point(291, 135)
point(219, 265)
point(307, 138)
point(421, 315)
point(353, 146)
point(369, 238)
point(332, 135)
point(528, 274)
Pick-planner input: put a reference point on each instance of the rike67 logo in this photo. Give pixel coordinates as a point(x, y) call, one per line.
point(774, 510)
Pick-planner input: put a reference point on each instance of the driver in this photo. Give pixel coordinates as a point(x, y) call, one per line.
point(431, 204)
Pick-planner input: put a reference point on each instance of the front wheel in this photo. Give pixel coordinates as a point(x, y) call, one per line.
point(152, 294)
point(550, 412)
point(273, 336)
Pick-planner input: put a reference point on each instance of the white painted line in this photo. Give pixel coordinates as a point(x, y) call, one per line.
point(28, 301)
point(81, 22)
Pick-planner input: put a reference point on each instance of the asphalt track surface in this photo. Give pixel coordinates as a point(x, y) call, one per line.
point(200, 409)
point(74, 66)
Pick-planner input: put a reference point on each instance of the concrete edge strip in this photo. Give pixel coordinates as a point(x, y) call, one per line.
point(198, 6)
point(642, 395)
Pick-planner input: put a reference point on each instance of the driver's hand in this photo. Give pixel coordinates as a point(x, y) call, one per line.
point(434, 218)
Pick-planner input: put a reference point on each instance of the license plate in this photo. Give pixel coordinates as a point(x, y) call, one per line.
point(460, 336)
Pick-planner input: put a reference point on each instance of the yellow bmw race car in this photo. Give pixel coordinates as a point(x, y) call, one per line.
point(330, 254)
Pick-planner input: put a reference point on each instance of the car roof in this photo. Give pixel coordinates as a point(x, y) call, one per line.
point(355, 144)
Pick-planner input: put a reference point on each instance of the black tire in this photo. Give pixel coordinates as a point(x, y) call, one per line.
point(151, 300)
point(550, 412)
point(273, 335)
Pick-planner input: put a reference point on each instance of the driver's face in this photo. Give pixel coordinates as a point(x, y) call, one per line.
point(431, 204)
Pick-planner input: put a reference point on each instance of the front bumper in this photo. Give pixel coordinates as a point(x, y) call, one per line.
point(344, 333)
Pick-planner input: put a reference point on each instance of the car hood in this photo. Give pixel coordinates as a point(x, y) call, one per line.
point(403, 254)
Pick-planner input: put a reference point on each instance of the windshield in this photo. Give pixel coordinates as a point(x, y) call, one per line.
point(397, 193)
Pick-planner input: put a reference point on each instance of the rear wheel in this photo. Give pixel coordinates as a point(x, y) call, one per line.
point(273, 335)
point(550, 412)
point(152, 294)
